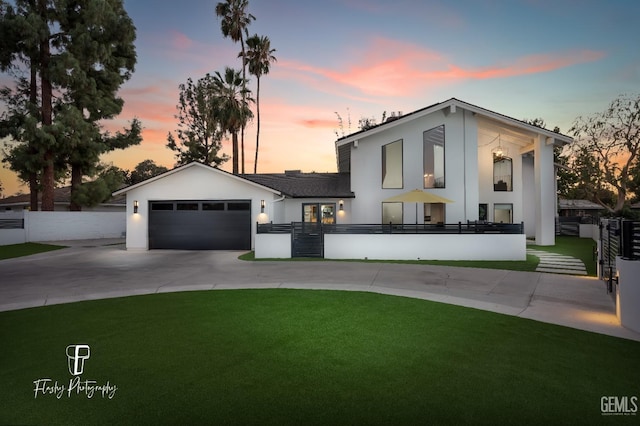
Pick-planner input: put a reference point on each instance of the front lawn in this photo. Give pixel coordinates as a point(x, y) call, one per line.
point(307, 357)
point(26, 249)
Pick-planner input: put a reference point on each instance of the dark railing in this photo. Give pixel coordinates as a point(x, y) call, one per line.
point(630, 240)
point(11, 223)
point(458, 228)
point(274, 228)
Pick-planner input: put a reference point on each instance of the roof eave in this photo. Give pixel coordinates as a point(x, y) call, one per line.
point(192, 164)
point(562, 139)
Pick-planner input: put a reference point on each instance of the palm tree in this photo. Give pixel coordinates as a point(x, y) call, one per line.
point(259, 58)
point(234, 22)
point(232, 105)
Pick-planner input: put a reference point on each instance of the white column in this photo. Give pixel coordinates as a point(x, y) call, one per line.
point(471, 169)
point(545, 192)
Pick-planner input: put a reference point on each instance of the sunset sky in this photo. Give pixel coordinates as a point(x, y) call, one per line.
point(554, 59)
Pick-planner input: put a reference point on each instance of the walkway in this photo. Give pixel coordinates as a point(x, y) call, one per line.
point(88, 271)
point(558, 263)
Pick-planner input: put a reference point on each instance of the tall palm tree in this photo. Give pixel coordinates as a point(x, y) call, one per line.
point(259, 58)
point(234, 22)
point(232, 108)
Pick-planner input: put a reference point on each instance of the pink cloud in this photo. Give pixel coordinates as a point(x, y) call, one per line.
point(391, 68)
point(532, 64)
point(180, 40)
point(319, 123)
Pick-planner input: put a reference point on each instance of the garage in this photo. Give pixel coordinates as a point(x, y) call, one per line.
point(200, 224)
point(196, 207)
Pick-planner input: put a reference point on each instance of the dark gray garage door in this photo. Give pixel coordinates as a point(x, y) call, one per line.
point(200, 225)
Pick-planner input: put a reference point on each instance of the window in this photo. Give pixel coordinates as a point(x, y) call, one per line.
point(502, 174)
point(482, 212)
point(503, 213)
point(238, 206)
point(434, 213)
point(314, 212)
point(212, 206)
point(392, 165)
point(392, 213)
point(433, 152)
point(187, 206)
point(161, 206)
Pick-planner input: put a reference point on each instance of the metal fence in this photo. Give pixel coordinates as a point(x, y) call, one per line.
point(457, 228)
point(630, 240)
point(618, 237)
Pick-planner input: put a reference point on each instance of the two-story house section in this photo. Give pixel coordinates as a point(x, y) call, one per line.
point(493, 167)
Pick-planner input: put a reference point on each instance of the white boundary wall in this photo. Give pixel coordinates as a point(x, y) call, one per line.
point(61, 226)
point(404, 246)
point(273, 246)
point(426, 246)
point(628, 293)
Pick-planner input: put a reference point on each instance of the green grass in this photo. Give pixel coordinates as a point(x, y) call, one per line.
point(513, 265)
point(308, 357)
point(26, 249)
point(580, 248)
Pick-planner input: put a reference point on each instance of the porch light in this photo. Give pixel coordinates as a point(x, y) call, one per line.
point(341, 205)
point(262, 206)
point(135, 206)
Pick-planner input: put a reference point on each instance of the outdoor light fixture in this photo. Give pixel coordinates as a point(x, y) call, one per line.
point(499, 152)
point(341, 204)
point(135, 206)
point(261, 206)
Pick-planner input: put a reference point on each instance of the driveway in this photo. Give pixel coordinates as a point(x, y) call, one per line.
point(89, 271)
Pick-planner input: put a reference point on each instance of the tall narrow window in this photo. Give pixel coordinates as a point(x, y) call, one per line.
point(502, 174)
point(482, 212)
point(392, 165)
point(433, 149)
point(503, 213)
point(392, 213)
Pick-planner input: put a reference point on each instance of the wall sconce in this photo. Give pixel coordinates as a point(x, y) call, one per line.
point(341, 205)
point(135, 206)
point(262, 203)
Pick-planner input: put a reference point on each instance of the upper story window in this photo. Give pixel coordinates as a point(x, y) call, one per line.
point(392, 165)
point(502, 174)
point(433, 149)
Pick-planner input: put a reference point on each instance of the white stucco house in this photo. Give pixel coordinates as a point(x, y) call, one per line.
point(495, 169)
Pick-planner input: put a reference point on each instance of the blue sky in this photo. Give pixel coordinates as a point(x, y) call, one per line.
point(554, 59)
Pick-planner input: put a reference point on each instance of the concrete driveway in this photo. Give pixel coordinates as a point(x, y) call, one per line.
point(88, 270)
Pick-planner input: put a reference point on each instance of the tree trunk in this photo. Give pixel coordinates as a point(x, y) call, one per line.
point(244, 97)
point(622, 196)
point(76, 180)
point(48, 180)
point(255, 163)
point(234, 143)
point(33, 176)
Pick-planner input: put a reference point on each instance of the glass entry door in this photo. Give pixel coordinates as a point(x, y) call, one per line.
point(316, 212)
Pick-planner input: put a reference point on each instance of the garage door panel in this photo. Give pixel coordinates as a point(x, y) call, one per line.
point(201, 229)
